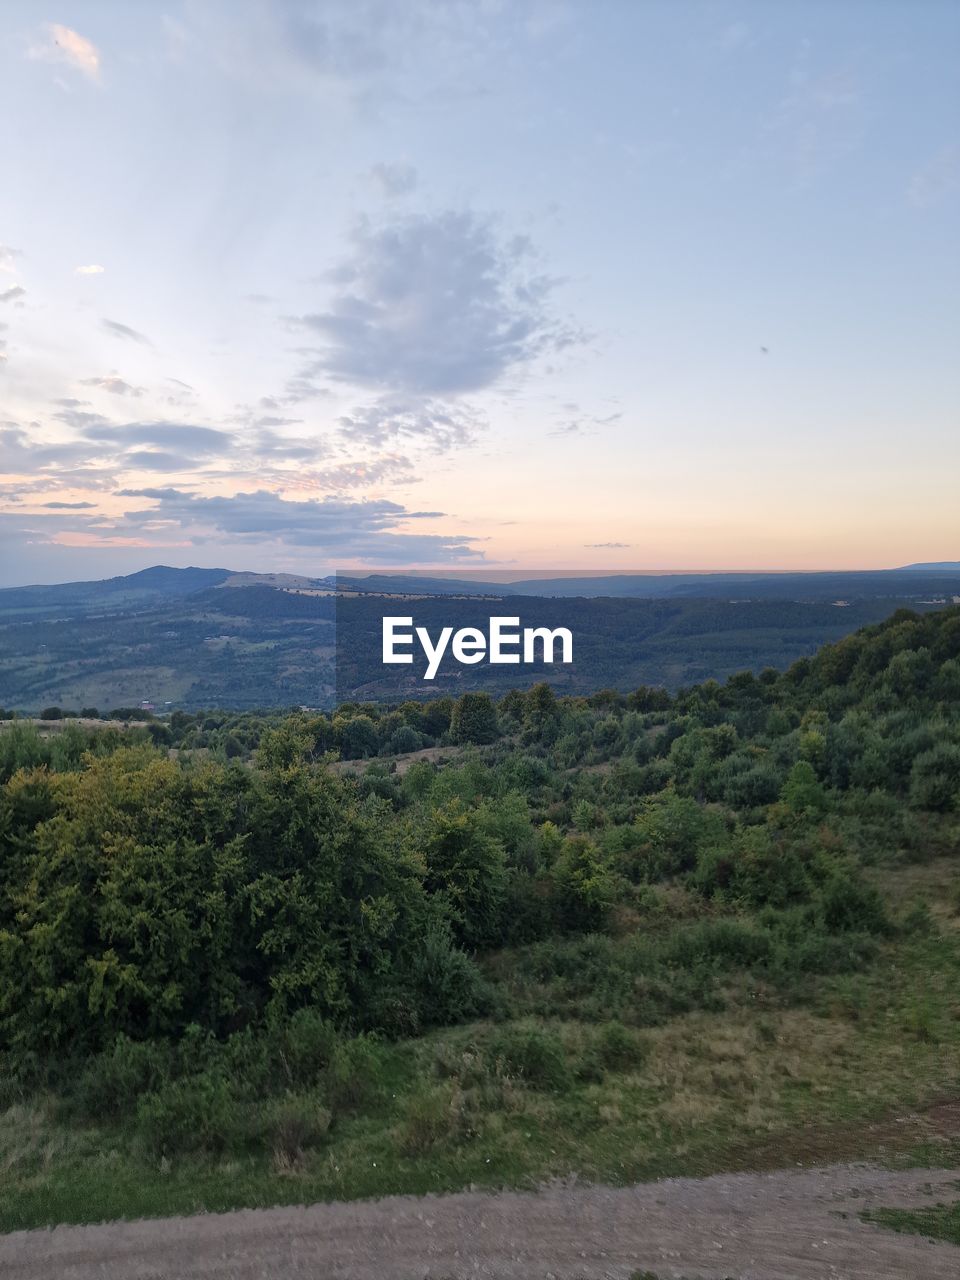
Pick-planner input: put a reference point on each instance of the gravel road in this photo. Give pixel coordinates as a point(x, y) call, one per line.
point(796, 1225)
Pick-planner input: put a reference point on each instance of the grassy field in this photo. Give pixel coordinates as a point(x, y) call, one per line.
point(859, 1066)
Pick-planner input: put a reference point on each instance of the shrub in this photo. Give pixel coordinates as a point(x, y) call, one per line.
point(293, 1125)
point(534, 1056)
point(935, 778)
point(849, 906)
point(449, 985)
point(113, 1082)
point(431, 1118)
point(307, 1046)
point(195, 1114)
point(619, 1049)
point(355, 1073)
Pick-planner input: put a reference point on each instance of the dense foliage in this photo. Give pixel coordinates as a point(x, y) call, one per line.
point(200, 905)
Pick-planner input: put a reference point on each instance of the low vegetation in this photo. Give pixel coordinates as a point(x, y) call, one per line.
point(616, 936)
point(941, 1222)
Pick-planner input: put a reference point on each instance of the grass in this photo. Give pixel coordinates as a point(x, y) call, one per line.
point(941, 1222)
point(862, 1065)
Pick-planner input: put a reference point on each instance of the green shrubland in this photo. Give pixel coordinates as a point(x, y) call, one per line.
point(415, 946)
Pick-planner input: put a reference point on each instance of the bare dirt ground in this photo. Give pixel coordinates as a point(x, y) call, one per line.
point(796, 1225)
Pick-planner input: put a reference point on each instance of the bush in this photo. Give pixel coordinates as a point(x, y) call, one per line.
point(113, 1082)
point(431, 1118)
point(850, 906)
point(449, 985)
point(534, 1056)
point(935, 778)
point(619, 1049)
point(355, 1073)
point(195, 1114)
point(307, 1046)
point(293, 1125)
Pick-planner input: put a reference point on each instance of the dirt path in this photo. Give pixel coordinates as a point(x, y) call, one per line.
point(799, 1225)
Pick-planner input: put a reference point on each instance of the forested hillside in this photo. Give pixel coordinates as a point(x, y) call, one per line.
point(189, 639)
point(394, 947)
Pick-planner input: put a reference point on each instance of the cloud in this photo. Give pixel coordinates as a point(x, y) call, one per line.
point(124, 331)
point(116, 386)
point(278, 448)
point(68, 506)
point(158, 460)
point(151, 493)
point(584, 425)
point(64, 45)
point(364, 530)
point(395, 179)
point(22, 454)
point(366, 52)
point(200, 442)
point(433, 305)
point(937, 179)
point(8, 258)
point(441, 426)
point(392, 469)
point(13, 293)
point(92, 270)
point(81, 419)
point(607, 546)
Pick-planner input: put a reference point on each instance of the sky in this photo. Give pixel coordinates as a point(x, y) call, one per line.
point(600, 284)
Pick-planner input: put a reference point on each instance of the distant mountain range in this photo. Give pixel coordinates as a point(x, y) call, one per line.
point(912, 581)
point(194, 638)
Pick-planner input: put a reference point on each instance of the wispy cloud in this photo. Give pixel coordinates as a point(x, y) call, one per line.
point(115, 385)
point(434, 423)
point(368, 530)
point(94, 269)
point(396, 179)
point(8, 258)
point(61, 44)
point(13, 293)
point(124, 331)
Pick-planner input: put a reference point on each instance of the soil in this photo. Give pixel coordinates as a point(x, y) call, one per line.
point(786, 1225)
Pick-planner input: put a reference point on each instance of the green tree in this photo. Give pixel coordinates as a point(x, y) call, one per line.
point(474, 719)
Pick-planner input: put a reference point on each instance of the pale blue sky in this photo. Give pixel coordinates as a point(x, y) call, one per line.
point(421, 283)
